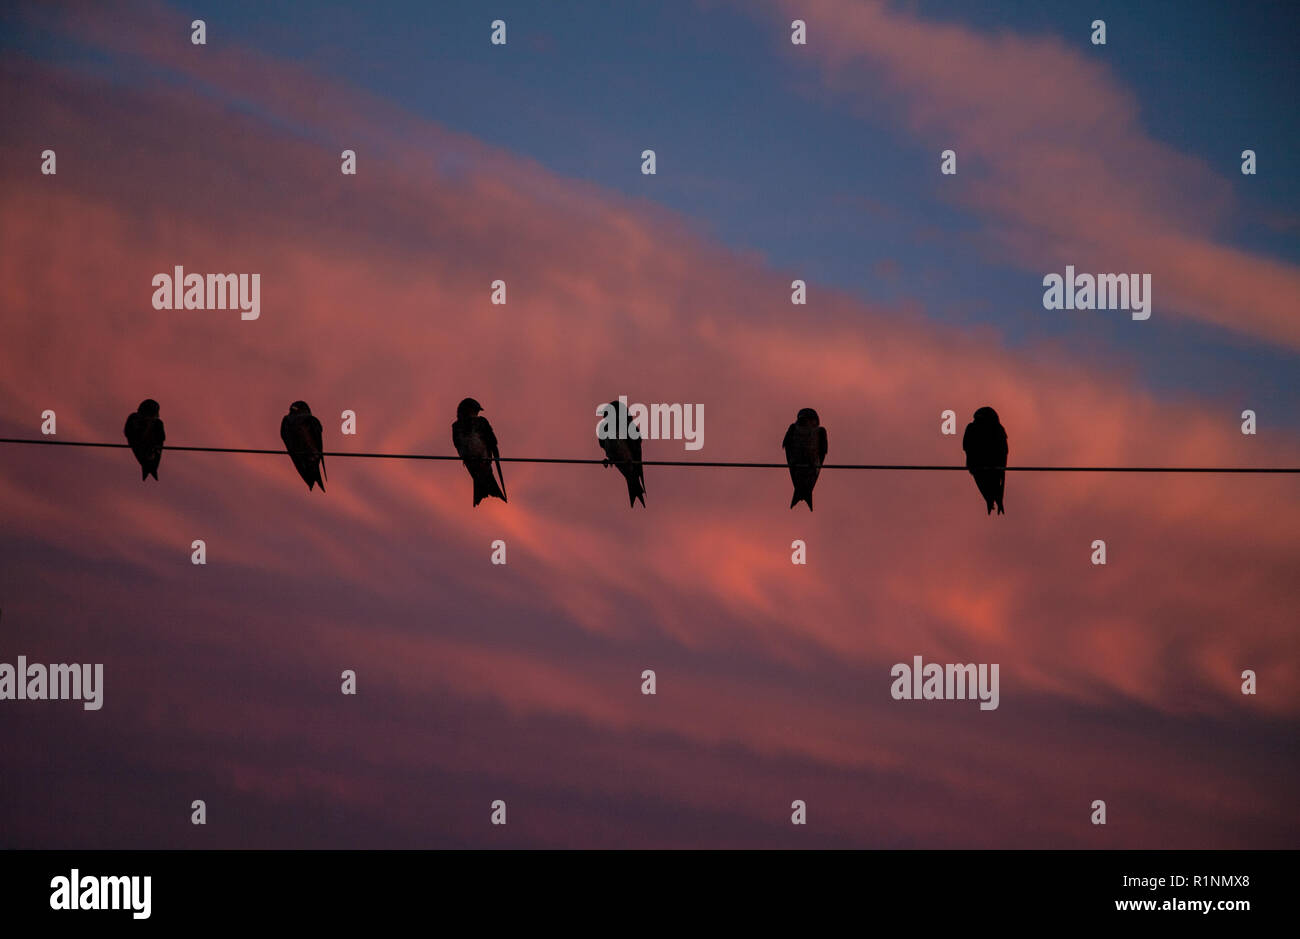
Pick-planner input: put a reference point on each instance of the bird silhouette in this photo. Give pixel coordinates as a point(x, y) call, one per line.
point(144, 432)
point(625, 453)
point(477, 446)
point(805, 451)
point(302, 436)
point(985, 443)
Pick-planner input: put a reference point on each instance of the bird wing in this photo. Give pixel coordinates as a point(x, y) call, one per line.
point(316, 437)
point(822, 444)
point(490, 441)
point(970, 444)
point(485, 433)
point(634, 444)
point(286, 430)
point(785, 441)
point(314, 434)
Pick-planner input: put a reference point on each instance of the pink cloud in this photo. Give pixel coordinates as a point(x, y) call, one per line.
point(1052, 152)
point(376, 299)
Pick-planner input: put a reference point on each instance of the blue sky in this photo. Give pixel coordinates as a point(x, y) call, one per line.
point(481, 679)
point(756, 153)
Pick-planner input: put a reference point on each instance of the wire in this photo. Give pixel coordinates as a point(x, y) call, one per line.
point(917, 467)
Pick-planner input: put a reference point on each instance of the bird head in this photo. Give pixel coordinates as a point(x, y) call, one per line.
point(148, 408)
point(299, 407)
point(986, 415)
point(808, 418)
point(467, 409)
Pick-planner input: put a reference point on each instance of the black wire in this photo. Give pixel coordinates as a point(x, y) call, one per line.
point(919, 467)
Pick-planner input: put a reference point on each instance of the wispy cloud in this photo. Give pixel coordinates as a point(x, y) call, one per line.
point(525, 678)
point(1053, 157)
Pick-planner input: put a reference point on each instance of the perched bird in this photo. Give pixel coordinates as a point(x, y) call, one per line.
point(805, 452)
point(625, 453)
point(301, 434)
point(985, 443)
point(144, 432)
point(477, 446)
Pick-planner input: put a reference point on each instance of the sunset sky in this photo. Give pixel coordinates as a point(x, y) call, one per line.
point(522, 682)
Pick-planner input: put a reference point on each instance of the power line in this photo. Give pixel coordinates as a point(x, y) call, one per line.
point(911, 467)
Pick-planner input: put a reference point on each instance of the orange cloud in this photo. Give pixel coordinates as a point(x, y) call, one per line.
point(375, 298)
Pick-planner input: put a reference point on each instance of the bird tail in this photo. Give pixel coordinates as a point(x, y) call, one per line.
point(485, 485)
point(144, 473)
point(635, 491)
point(154, 473)
point(502, 476)
point(802, 495)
